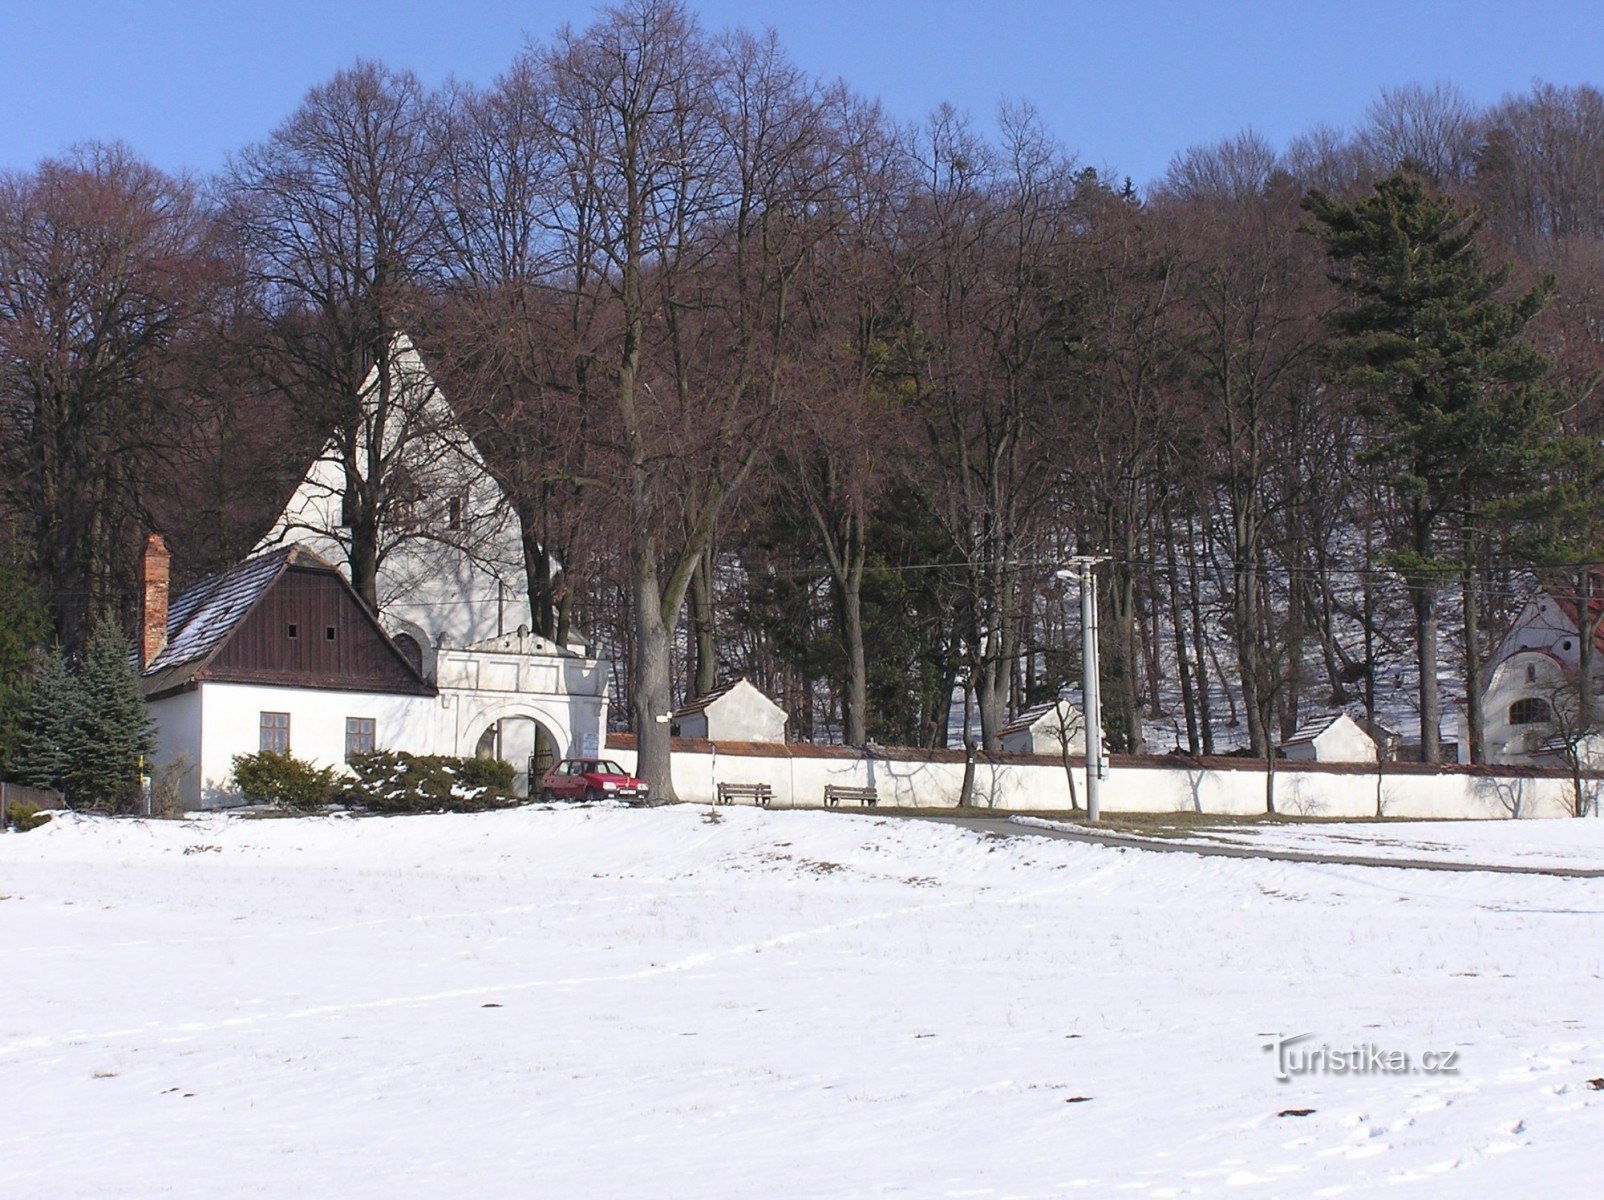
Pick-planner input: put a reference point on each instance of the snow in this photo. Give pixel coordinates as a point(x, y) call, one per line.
point(1524, 844)
point(617, 1003)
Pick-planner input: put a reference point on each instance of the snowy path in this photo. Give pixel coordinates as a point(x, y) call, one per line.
point(1353, 845)
point(620, 1004)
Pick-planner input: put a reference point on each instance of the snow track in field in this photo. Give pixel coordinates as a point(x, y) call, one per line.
point(612, 1003)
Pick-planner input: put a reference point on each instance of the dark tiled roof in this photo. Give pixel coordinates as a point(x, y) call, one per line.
point(203, 616)
point(1313, 728)
point(701, 702)
point(1027, 718)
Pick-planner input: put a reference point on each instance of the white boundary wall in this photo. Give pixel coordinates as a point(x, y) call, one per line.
point(1152, 786)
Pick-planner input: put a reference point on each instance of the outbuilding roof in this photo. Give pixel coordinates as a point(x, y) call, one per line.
point(701, 702)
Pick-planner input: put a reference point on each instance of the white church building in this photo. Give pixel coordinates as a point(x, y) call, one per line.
point(1531, 679)
point(273, 655)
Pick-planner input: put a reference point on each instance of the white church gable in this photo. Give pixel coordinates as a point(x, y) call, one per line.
point(451, 567)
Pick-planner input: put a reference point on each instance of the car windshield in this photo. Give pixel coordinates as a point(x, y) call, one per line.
point(602, 766)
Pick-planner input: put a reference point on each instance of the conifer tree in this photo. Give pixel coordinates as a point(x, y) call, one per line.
point(113, 731)
point(42, 746)
point(1431, 338)
point(24, 626)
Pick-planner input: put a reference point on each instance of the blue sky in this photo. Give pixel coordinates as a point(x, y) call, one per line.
point(1124, 85)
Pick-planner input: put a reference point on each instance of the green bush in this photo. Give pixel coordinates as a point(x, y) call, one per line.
point(282, 779)
point(26, 816)
point(389, 781)
point(490, 773)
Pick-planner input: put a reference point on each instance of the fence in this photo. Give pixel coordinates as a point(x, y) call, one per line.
point(16, 793)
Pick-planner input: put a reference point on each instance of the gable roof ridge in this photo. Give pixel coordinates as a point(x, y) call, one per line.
point(204, 615)
point(700, 703)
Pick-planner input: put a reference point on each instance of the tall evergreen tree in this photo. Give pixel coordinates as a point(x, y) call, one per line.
point(24, 626)
point(1431, 337)
point(113, 731)
point(42, 747)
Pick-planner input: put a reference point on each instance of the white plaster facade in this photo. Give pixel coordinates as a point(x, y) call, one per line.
point(736, 712)
point(1336, 738)
point(798, 779)
point(451, 573)
point(199, 732)
point(1045, 729)
point(511, 696)
point(1532, 671)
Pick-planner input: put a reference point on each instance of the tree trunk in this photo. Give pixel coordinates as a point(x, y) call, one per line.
point(650, 681)
point(1426, 622)
point(1199, 640)
point(1475, 718)
point(1424, 598)
point(704, 642)
point(857, 693)
point(1182, 661)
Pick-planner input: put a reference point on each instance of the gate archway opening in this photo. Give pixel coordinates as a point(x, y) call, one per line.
point(525, 743)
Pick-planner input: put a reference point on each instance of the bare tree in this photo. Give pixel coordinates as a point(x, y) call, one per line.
point(335, 211)
point(108, 269)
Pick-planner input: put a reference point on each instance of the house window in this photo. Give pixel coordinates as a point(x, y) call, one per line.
point(328, 633)
point(1531, 672)
point(292, 631)
point(1530, 711)
point(275, 733)
point(454, 513)
point(359, 737)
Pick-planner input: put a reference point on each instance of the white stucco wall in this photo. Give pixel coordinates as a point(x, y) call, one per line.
point(799, 781)
point(437, 584)
point(217, 721)
point(1342, 741)
point(1522, 676)
point(742, 714)
point(1047, 734)
point(175, 764)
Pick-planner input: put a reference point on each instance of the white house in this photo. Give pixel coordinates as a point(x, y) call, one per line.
point(734, 712)
point(1331, 737)
point(278, 653)
point(1056, 727)
point(451, 584)
point(1531, 680)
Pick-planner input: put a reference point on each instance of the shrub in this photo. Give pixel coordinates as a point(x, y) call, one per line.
point(268, 778)
point(490, 773)
point(389, 781)
point(26, 816)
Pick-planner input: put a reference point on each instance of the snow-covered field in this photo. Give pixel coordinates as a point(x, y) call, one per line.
point(606, 1003)
point(1558, 843)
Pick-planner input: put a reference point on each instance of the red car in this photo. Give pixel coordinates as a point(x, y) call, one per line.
point(590, 779)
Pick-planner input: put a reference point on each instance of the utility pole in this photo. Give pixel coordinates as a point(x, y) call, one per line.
point(1091, 680)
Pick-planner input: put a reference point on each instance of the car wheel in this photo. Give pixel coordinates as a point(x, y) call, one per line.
point(592, 795)
point(547, 796)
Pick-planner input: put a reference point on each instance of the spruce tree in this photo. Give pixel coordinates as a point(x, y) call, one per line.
point(24, 626)
point(1432, 339)
point(42, 745)
point(113, 731)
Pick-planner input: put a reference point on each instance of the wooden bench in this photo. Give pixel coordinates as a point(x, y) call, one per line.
point(759, 793)
point(835, 793)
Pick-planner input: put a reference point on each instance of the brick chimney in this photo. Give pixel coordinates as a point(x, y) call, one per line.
point(153, 577)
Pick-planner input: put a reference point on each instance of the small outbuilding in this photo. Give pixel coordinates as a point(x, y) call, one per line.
point(1331, 737)
point(732, 712)
point(1056, 727)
